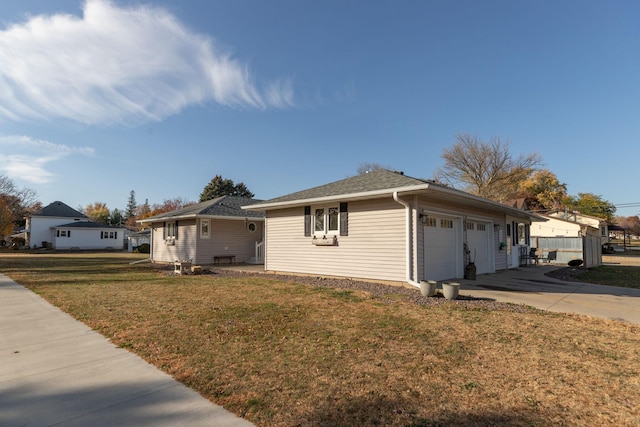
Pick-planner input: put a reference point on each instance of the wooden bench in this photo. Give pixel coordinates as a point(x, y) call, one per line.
point(230, 258)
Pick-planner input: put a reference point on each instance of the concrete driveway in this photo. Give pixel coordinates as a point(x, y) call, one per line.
point(530, 286)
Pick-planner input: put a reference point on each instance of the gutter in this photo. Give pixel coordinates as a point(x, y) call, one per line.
point(407, 209)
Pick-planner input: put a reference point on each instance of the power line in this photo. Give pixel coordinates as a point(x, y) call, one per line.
point(627, 205)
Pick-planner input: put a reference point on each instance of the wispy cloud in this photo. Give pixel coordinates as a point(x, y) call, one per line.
point(120, 64)
point(27, 158)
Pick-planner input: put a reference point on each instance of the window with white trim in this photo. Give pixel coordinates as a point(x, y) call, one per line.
point(431, 222)
point(326, 220)
point(170, 230)
point(205, 229)
point(108, 234)
point(63, 233)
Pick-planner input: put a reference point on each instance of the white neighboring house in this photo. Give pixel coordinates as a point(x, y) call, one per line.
point(61, 227)
point(39, 225)
point(88, 235)
point(587, 220)
point(559, 227)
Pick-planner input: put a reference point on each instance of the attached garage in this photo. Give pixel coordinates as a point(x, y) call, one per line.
point(479, 245)
point(442, 248)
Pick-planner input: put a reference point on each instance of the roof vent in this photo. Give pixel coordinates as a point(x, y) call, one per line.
point(399, 172)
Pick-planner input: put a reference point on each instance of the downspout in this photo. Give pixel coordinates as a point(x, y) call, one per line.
point(409, 258)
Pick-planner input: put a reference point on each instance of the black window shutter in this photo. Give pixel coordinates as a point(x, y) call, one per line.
point(164, 230)
point(344, 219)
point(102, 234)
point(115, 235)
point(307, 221)
point(176, 232)
point(69, 233)
point(57, 233)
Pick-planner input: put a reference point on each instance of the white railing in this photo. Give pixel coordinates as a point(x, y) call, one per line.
point(259, 252)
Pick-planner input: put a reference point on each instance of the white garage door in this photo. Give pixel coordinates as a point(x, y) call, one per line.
point(479, 244)
point(442, 251)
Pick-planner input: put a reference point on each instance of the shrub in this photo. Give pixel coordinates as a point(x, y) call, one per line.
point(144, 248)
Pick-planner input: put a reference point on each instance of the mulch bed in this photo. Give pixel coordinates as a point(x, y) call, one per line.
point(568, 274)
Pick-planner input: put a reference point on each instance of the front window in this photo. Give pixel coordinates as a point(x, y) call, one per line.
point(171, 230)
point(332, 219)
point(319, 227)
point(327, 220)
point(63, 233)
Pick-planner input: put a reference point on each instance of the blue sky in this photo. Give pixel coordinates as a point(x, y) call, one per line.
point(99, 98)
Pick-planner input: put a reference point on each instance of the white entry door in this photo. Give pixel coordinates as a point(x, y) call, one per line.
point(442, 248)
point(479, 245)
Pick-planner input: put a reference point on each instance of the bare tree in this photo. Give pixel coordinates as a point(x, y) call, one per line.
point(366, 167)
point(486, 169)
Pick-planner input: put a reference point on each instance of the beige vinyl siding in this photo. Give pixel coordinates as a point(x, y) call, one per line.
point(229, 237)
point(185, 244)
point(374, 248)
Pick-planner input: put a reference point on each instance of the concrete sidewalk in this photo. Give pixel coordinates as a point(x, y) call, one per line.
point(530, 286)
point(54, 370)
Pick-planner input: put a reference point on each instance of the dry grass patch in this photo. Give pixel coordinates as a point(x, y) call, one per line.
point(281, 353)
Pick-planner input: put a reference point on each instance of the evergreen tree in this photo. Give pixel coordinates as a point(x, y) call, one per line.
point(131, 206)
point(220, 186)
point(116, 218)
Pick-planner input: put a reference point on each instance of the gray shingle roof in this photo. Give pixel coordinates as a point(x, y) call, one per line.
point(85, 224)
point(377, 180)
point(384, 182)
point(60, 209)
point(225, 206)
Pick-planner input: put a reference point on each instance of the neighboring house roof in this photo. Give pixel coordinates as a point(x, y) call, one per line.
point(59, 209)
point(142, 233)
point(577, 217)
point(383, 183)
point(222, 207)
point(86, 224)
point(551, 218)
point(520, 203)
